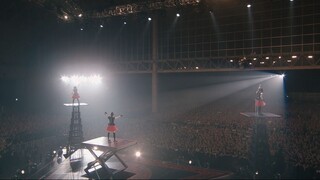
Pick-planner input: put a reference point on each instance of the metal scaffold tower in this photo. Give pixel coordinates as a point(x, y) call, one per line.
point(75, 132)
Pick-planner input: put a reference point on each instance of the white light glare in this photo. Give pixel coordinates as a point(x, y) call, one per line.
point(310, 57)
point(138, 154)
point(17, 99)
point(149, 19)
point(95, 147)
point(65, 17)
point(248, 5)
point(124, 22)
point(76, 79)
point(190, 162)
point(294, 57)
point(178, 15)
point(281, 75)
point(80, 15)
point(22, 171)
point(101, 25)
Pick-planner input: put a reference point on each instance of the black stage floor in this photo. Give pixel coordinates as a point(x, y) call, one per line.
point(138, 168)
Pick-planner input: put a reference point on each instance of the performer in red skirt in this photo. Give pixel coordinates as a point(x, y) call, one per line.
point(111, 127)
point(259, 102)
point(75, 94)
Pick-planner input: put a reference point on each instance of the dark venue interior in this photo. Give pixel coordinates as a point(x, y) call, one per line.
point(200, 89)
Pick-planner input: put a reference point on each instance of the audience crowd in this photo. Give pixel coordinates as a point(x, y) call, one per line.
point(211, 130)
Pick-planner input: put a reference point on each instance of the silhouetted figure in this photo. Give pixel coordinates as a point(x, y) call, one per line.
point(111, 127)
point(75, 94)
point(259, 102)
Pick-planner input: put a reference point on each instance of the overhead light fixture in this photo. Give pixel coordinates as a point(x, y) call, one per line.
point(80, 15)
point(178, 15)
point(65, 17)
point(149, 19)
point(248, 5)
point(310, 57)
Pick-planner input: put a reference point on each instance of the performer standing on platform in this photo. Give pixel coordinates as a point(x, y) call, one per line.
point(112, 128)
point(259, 102)
point(75, 94)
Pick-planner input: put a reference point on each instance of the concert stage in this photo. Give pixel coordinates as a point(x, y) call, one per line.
point(262, 115)
point(133, 168)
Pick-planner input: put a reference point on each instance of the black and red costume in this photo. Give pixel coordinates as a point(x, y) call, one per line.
point(259, 102)
point(75, 94)
point(111, 127)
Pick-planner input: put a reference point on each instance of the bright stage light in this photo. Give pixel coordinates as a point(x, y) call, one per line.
point(22, 171)
point(178, 15)
point(138, 154)
point(281, 75)
point(248, 5)
point(80, 79)
point(95, 147)
point(149, 19)
point(80, 15)
point(190, 162)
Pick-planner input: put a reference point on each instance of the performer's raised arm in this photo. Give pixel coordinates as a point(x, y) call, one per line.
point(111, 127)
point(118, 116)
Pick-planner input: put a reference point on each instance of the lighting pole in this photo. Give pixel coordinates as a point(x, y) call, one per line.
point(154, 63)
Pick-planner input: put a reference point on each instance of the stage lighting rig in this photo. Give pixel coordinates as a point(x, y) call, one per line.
point(75, 80)
point(70, 10)
point(141, 6)
point(66, 10)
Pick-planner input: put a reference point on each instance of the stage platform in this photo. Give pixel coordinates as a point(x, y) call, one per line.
point(102, 143)
point(262, 115)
